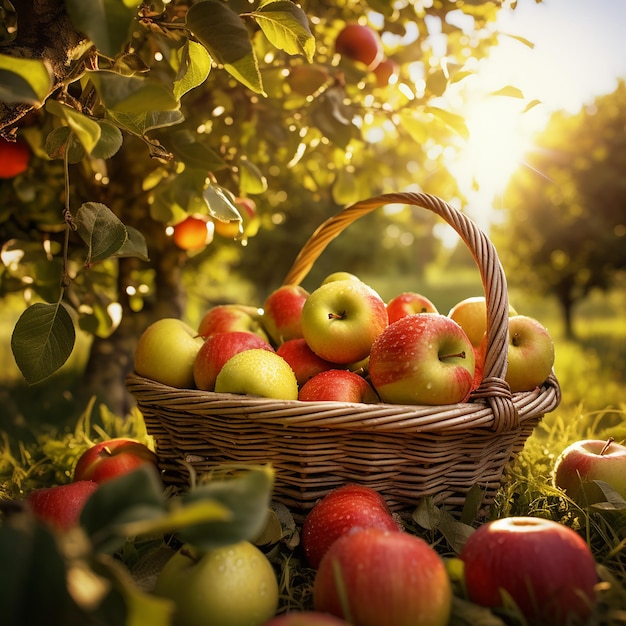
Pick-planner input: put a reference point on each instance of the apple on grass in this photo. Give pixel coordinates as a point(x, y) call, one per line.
point(589, 460)
point(234, 585)
point(217, 349)
point(545, 567)
point(282, 313)
point(166, 352)
point(408, 303)
point(530, 353)
point(336, 385)
point(258, 372)
point(372, 576)
point(60, 506)
point(341, 319)
point(471, 315)
point(224, 318)
point(303, 361)
point(341, 511)
point(112, 458)
point(424, 358)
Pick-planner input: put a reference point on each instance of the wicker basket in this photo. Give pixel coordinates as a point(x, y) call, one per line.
point(404, 452)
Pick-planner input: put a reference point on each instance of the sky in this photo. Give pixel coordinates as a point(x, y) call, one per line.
point(579, 52)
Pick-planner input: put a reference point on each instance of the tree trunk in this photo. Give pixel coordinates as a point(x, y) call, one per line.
point(566, 302)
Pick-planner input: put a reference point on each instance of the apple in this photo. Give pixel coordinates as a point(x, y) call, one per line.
point(166, 352)
point(60, 506)
point(282, 313)
point(303, 361)
point(545, 567)
point(408, 303)
point(235, 229)
point(471, 315)
point(424, 358)
point(306, 618)
point(339, 276)
point(530, 353)
point(341, 511)
point(360, 43)
point(112, 458)
point(386, 73)
point(234, 585)
point(587, 460)
point(192, 233)
point(217, 349)
point(223, 318)
point(14, 158)
point(341, 319)
point(337, 385)
point(258, 372)
point(373, 576)
point(308, 78)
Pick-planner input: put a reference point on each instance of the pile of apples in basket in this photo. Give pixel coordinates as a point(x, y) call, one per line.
point(341, 342)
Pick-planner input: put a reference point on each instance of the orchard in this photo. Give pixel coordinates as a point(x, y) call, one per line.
point(248, 379)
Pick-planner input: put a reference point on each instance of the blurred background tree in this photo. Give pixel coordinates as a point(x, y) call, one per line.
point(564, 233)
point(137, 116)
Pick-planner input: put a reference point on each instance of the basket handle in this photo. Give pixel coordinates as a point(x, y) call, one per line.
point(485, 256)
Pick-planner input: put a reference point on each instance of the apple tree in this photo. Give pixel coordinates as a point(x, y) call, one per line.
point(139, 115)
point(565, 228)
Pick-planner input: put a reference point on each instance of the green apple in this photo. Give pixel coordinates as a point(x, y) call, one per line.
point(424, 358)
point(587, 460)
point(258, 372)
point(234, 585)
point(471, 315)
point(331, 278)
point(341, 320)
point(530, 353)
point(166, 352)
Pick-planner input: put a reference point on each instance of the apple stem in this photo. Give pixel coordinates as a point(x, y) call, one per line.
point(452, 356)
point(107, 451)
point(190, 554)
point(515, 339)
point(607, 445)
point(337, 316)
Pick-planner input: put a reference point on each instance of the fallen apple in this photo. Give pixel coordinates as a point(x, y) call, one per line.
point(545, 567)
point(385, 577)
point(112, 458)
point(341, 511)
point(588, 460)
point(60, 506)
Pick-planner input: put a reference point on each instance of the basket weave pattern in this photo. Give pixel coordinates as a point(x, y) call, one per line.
point(404, 452)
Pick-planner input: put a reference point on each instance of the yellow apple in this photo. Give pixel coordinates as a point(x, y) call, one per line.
point(471, 315)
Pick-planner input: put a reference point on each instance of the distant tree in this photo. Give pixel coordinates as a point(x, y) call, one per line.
point(140, 114)
point(565, 228)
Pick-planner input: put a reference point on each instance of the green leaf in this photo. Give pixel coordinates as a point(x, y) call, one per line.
point(86, 130)
point(246, 495)
point(107, 22)
point(451, 120)
point(110, 140)
point(287, 27)
point(223, 33)
point(134, 246)
point(101, 230)
point(133, 94)
point(189, 150)
point(42, 340)
point(251, 179)
point(141, 123)
point(24, 80)
point(221, 204)
point(61, 140)
point(414, 124)
point(508, 91)
point(195, 63)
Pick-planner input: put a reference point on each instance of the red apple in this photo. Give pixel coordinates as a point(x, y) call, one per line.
point(224, 318)
point(14, 158)
point(112, 458)
point(193, 233)
point(61, 505)
point(360, 43)
point(303, 361)
point(386, 73)
point(341, 319)
point(217, 349)
point(282, 313)
point(545, 567)
point(379, 577)
point(343, 510)
point(408, 303)
point(588, 460)
point(424, 358)
point(306, 618)
point(335, 385)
